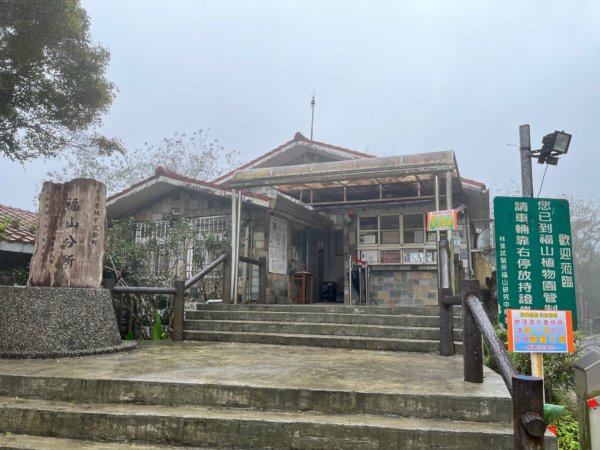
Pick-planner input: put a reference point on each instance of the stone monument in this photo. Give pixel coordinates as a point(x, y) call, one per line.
point(63, 311)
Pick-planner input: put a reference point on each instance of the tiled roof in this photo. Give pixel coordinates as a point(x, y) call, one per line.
point(20, 225)
point(297, 137)
point(474, 183)
point(161, 171)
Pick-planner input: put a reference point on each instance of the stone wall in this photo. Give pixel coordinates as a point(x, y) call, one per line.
point(187, 204)
point(403, 287)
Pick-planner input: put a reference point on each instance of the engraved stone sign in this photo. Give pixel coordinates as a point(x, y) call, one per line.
point(71, 235)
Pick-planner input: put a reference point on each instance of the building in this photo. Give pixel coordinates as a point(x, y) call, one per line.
point(17, 242)
point(318, 211)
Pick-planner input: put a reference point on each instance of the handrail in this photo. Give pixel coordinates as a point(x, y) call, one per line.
point(143, 290)
point(196, 278)
point(252, 261)
point(181, 286)
point(527, 392)
point(499, 353)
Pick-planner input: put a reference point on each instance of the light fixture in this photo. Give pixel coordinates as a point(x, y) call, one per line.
point(553, 145)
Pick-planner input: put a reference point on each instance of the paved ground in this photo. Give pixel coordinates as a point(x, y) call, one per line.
point(271, 366)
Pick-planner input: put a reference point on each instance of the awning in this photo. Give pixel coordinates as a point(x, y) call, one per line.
point(384, 170)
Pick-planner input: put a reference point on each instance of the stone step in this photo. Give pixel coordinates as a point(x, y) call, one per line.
point(329, 329)
point(27, 442)
point(408, 403)
point(328, 308)
point(346, 317)
point(230, 427)
point(348, 342)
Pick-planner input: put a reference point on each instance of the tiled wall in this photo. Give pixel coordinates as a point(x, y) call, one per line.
point(403, 287)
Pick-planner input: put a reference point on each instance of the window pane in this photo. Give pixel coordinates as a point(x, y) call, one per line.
point(412, 221)
point(391, 256)
point(368, 237)
point(368, 230)
point(430, 256)
point(390, 229)
point(370, 256)
point(413, 256)
point(368, 223)
point(390, 237)
point(390, 222)
point(414, 231)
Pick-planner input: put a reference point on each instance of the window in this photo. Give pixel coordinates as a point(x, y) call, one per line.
point(210, 233)
point(368, 230)
point(155, 234)
point(390, 229)
point(396, 239)
point(194, 245)
point(414, 228)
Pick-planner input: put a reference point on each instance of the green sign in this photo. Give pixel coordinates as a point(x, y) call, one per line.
point(534, 255)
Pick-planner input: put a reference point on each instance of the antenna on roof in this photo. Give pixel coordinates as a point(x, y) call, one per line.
point(312, 119)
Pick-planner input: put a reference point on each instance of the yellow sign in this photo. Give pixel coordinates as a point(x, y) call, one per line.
point(442, 220)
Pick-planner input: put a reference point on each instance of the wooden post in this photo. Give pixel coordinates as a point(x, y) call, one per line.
point(69, 245)
point(528, 412)
point(444, 290)
point(262, 280)
point(226, 283)
point(472, 345)
point(178, 310)
point(446, 324)
point(109, 283)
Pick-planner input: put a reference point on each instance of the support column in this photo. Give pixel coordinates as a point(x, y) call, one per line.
point(450, 233)
point(236, 261)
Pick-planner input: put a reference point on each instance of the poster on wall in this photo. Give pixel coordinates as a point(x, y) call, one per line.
point(278, 246)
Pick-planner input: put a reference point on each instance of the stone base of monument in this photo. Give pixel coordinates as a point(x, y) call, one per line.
point(52, 322)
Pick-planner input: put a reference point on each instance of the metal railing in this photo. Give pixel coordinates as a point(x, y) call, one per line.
point(527, 392)
point(181, 286)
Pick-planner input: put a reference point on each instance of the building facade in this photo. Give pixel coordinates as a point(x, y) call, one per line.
point(351, 224)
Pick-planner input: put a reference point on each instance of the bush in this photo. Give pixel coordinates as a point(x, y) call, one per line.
point(559, 383)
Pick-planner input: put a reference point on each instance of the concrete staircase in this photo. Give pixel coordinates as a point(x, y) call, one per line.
point(401, 328)
point(194, 395)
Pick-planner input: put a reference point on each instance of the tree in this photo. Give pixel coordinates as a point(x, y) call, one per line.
point(194, 155)
point(52, 83)
point(585, 232)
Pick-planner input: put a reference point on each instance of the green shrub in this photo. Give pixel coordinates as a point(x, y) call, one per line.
point(559, 383)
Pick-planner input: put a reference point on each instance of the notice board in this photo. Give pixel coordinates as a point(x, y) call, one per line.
point(278, 244)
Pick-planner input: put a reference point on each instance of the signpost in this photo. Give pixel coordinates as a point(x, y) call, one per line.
point(534, 255)
point(442, 220)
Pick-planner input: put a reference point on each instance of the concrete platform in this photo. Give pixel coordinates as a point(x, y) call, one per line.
point(237, 395)
point(271, 366)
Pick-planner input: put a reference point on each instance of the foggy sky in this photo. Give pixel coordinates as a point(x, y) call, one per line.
point(390, 77)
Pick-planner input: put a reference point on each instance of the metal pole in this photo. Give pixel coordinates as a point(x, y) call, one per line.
point(367, 295)
point(537, 359)
point(234, 239)
point(350, 280)
point(236, 262)
point(360, 275)
point(450, 233)
point(525, 150)
point(436, 188)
